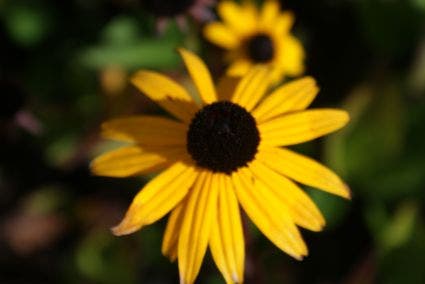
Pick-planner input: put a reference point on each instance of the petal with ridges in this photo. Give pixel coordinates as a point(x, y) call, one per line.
point(293, 96)
point(301, 126)
point(252, 87)
point(268, 215)
point(200, 75)
point(304, 170)
point(167, 93)
point(221, 35)
point(157, 198)
point(146, 130)
point(172, 231)
point(135, 160)
point(302, 209)
point(200, 213)
point(227, 241)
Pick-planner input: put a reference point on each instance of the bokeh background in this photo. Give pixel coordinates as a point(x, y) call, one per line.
point(64, 69)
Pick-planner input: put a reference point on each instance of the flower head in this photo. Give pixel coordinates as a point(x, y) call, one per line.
point(227, 151)
point(252, 36)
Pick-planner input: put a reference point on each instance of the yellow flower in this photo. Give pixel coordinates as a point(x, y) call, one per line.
point(254, 37)
point(227, 150)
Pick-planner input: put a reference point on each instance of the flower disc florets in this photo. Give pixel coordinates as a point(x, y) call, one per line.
point(260, 48)
point(223, 137)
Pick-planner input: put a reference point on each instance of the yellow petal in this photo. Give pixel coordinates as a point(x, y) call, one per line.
point(172, 231)
point(200, 75)
point(304, 170)
point(227, 241)
point(291, 55)
point(290, 97)
point(226, 87)
point(301, 126)
point(252, 87)
point(241, 19)
point(284, 23)
point(134, 160)
point(200, 213)
point(269, 13)
point(268, 214)
point(167, 93)
point(221, 35)
point(146, 130)
point(239, 68)
point(157, 198)
point(302, 209)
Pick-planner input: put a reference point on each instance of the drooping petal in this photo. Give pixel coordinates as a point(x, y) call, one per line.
point(252, 87)
point(303, 170)
point(135, 160)
point(301, 208)
point(167, 93)
point(290, 97)
point(146, 130)
point(200, 213)
point(268, 214)
point(301, 127)
point(200, 75)
point(240, 18)
point(172, 231)
point(227, 241)
point(157, 198)
point(221, 35)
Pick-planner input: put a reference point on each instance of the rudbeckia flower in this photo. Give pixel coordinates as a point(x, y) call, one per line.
point(225, 152)
point(257, 36)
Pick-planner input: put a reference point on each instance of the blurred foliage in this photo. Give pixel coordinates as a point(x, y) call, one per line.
point(64, 67)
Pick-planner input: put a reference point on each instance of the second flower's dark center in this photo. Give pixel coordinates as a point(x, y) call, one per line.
point(260, 48)
point(167, 8)
point(223, 137)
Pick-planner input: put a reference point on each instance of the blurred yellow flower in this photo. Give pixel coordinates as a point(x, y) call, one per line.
point(227, 150)
point(252, 36)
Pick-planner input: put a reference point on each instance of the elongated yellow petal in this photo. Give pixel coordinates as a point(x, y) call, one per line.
point(200, 75)
point(290, 97)
point(268, 214)
point(134, 160)
point(269, 13)
point(252, 87)
point(226, 87)
point(301, 126)
point(301, 208)
point(167, 93)
point(304, 170)
point(232, 15)
point(146, 130)
point(195, 231)
point(284, 23)
point(292, 56)
point(157, 198)
point(221, 35)
point(227, 241)
point(172, 231)
point(239, 67)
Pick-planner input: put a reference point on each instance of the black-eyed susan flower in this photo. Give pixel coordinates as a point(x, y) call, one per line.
point(257, 36)
point(227, 151)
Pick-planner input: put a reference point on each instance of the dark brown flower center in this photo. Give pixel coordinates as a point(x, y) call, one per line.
point(167, 8)
point(223, 137)
point(260, 48)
